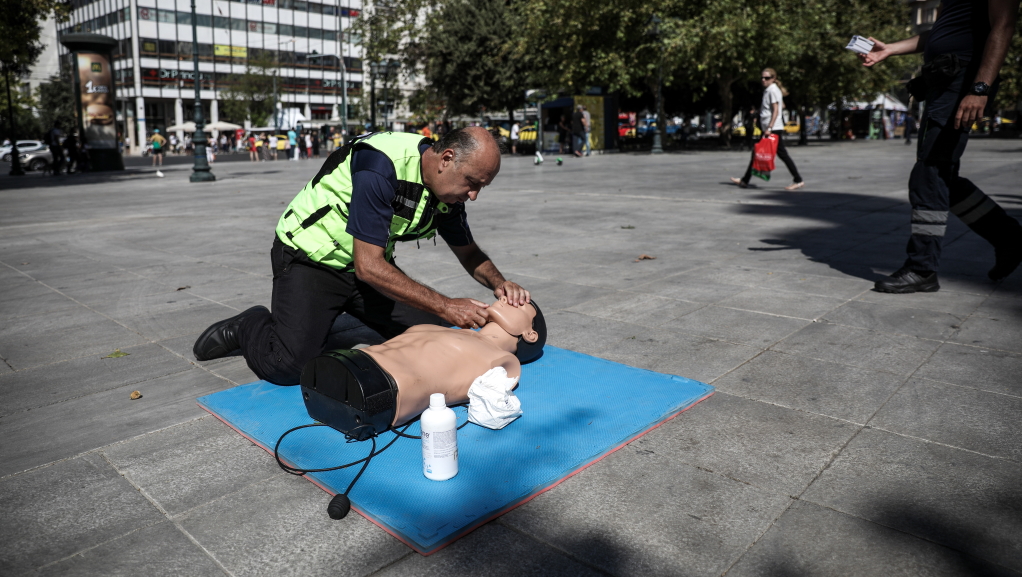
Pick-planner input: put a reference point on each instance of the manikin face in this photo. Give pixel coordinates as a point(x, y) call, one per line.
point(516, 321)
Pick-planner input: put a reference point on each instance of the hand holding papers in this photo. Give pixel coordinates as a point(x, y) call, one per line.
point(860, 45)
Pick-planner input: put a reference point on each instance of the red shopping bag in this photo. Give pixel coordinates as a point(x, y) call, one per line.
point(763, 163)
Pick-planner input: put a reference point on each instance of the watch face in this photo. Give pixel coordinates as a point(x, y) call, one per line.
point(981, 88)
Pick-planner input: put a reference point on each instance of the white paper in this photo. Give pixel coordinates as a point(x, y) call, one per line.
point(491, 400)
point(860, 45)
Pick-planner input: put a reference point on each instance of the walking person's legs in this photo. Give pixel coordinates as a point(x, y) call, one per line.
point(782, 153)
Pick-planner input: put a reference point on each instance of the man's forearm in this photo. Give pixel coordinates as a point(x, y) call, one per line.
point(1003, 14)
point(477, 264)
point(396, 285)
point(486, 274)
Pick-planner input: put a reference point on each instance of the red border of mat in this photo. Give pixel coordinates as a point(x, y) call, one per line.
point(471, 528)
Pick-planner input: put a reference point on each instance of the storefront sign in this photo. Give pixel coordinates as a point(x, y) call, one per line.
point(232, 51)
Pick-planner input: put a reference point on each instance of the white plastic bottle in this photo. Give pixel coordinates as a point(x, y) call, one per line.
point(439, 440)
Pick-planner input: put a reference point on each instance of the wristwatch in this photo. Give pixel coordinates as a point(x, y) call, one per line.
point(981, 89)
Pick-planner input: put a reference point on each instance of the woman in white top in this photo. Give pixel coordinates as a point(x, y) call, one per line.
point(770, 121)
point(514, 137)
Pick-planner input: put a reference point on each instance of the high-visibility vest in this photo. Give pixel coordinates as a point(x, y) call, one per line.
point(316, 219)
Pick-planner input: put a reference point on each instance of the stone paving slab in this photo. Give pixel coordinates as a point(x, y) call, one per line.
point(853, 432)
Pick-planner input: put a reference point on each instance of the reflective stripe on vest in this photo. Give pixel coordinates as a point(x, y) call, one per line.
point(316, 219)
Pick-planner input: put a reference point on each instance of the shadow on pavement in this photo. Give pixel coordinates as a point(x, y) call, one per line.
point(859, 233)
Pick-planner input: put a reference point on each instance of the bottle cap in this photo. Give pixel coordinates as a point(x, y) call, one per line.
point(437, 401)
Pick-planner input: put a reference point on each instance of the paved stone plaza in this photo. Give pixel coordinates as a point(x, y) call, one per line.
point(852, 432)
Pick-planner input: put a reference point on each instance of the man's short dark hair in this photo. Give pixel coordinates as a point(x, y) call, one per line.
point(460, 141)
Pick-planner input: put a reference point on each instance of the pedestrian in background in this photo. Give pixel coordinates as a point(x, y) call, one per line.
point(578, 131)
point(962, 55)
point(771, 121)
point(71, 148)
point(910, 127)
point(562, 133)
point(515, 129)
point(53, 138)
point(750, 128)
point(253, 151)
point(315, 144)
point(159, 144)
point(274, 142)
point(588, 120)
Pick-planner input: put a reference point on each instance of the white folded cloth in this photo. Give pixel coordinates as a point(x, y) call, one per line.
point(491, 400)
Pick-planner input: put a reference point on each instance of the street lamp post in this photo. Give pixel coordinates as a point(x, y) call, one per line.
point(655, 33)
point(200, 168)
point(277, 110)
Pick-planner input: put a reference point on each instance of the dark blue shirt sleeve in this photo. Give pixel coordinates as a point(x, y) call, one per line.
point(374, 185)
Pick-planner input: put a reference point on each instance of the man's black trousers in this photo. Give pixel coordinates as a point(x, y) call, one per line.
point(307, 297)
point(782, 153)
point(935, 188)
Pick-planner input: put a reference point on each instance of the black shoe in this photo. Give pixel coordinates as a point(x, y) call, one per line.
point(221, 339)
point(1008, 260)
point(908, 281)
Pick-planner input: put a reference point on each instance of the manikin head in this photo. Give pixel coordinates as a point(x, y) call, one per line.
point(525, 322)
point(460, 164)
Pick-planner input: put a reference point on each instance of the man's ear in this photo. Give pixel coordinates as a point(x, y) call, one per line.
point(446, 158)
point(530, 336)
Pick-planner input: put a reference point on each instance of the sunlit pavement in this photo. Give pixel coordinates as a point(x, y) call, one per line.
point(852, 432)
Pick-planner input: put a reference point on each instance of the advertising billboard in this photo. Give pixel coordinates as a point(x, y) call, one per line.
point(96, 89)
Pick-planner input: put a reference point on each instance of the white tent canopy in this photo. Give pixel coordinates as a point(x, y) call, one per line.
point(886, 101)
point(184, 126)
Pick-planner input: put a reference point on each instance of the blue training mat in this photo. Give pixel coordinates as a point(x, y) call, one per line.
point(577, 410)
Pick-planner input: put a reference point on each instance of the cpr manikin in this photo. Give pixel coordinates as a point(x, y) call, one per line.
point(369, 390)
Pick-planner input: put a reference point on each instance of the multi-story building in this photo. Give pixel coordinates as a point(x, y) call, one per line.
point(153, 65)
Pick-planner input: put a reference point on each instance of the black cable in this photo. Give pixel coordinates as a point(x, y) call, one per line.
point(349, 435)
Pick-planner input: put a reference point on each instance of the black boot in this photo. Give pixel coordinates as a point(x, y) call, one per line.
point(221, 339)
point(909, 281)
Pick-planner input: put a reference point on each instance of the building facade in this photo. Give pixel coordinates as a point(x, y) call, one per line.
point(153, 65)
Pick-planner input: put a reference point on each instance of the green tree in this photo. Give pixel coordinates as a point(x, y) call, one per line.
point(250, 95)
point(703, 45)
point(20, 29)
point(56, 103)
point(469, 64)
point(1009, 93)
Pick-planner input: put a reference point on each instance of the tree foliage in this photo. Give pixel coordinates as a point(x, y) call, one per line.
point(250, 95)
point(56, 102)
point(1009, 93)
point(468, 62)
point(20, 28)
point(706, 45)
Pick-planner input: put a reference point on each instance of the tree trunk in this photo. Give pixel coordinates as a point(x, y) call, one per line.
point(724, 86)
point(803, 139)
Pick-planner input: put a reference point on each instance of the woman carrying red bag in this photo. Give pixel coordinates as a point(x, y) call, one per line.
point(771, 121)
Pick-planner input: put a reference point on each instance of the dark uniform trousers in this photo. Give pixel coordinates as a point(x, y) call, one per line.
point(935, 188)
point(307, 297)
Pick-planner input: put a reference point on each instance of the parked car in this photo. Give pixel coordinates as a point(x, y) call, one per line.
point(37, 159)
point(23, 146)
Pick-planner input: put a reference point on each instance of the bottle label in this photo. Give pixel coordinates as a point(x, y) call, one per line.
point(445, 444)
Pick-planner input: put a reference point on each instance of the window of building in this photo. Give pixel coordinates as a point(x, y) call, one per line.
point(149, 47)
point(238, 23)
point(168, 49)
point(222, 22)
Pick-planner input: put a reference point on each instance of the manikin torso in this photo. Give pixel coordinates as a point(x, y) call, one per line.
point(429, 359)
